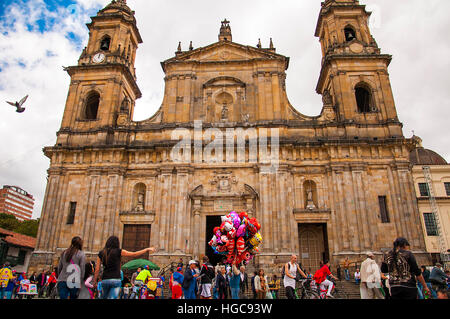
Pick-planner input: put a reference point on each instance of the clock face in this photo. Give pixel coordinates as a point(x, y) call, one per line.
point(98, 58)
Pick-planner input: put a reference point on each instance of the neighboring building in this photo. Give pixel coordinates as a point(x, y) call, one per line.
point(343, 184)
point(440, 177)
point(16, 249)
point(15, 201)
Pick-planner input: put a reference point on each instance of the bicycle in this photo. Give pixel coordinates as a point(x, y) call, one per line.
point(304, 291)
point(336, 293)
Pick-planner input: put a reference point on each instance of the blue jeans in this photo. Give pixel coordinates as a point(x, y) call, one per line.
point(234, 293)
point(215, 293)
point(65, 292)
point(2, 293)
point(189, 293)
point(111, 288)
point(347, 274)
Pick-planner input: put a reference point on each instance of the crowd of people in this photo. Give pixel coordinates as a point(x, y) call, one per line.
point(397, 277)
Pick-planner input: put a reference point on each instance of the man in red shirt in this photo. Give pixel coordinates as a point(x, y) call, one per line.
point(321, 278)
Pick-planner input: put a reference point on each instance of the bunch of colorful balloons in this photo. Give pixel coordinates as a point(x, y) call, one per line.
point(237, 238)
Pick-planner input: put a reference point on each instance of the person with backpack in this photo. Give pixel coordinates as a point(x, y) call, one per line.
point(289, 274)
point(206, 277)
point(403, 271)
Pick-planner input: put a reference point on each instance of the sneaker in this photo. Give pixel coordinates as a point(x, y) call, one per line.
point(330, 295)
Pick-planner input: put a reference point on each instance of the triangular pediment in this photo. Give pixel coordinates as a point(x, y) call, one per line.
point(226, 51)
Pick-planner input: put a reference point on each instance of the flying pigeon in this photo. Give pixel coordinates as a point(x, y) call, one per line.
point(19, 104)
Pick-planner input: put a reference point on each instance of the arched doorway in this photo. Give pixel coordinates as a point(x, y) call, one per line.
point(211, 222)
point(313, 245)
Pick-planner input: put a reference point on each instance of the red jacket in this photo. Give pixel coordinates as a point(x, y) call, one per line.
point(322, 274)
point(52, 278)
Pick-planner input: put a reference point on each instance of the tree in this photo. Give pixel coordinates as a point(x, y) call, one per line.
point(9, 222)
point(27, 227)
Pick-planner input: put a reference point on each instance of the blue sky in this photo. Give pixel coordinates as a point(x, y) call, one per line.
point(48, 16)
point(39, 37)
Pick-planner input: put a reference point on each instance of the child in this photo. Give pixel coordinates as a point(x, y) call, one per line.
point(126, 291)
point(88, 281)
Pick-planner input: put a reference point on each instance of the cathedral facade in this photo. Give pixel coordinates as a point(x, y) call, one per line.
point(334, 186)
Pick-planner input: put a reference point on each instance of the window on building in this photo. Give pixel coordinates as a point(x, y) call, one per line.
point(363, 99)
point(423, 189)
point(430, 224)
point(350, 34)
point(105, 43)
point(447, 188)
point(384, 214)
point(72, 210)
point(92, 104)
point(21, 257)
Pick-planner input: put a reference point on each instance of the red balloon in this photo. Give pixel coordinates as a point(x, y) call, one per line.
point(230, 246)
point(242, 215)
point(240, 245)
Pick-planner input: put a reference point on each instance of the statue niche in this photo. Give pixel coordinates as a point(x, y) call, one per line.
point(224, 100)
point(139, 192)
point(310, 195)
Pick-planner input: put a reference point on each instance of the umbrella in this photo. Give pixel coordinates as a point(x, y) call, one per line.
point(136, 263)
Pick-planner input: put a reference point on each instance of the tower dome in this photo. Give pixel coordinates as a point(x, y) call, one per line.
point(422, 156)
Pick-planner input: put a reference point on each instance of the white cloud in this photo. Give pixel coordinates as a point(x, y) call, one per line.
point(413, 31)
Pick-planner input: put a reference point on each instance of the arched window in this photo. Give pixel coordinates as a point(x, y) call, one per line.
point(105, 43)
point(363, 99)
point(350, 34)
point(92, 104)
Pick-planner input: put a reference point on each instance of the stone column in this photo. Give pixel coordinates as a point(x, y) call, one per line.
point(61, 209)
point(196, 234)
point(364, 231)
point(171, 94)
point(89, 210)
point(333, 231)
point(48, 212)
point(265, 211)
point(340, 228)
point(396, 202)
point(165, 184)
point(259, 77)
point(182, 217)
point(276, 96)
point(283, 214)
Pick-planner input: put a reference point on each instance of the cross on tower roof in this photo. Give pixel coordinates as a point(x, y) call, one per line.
point(225, 31)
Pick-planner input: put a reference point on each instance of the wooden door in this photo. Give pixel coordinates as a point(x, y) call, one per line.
point(312, 246)
point(136, 237)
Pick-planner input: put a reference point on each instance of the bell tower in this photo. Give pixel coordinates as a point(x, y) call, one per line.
point(103, 87)
point(354, 72)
